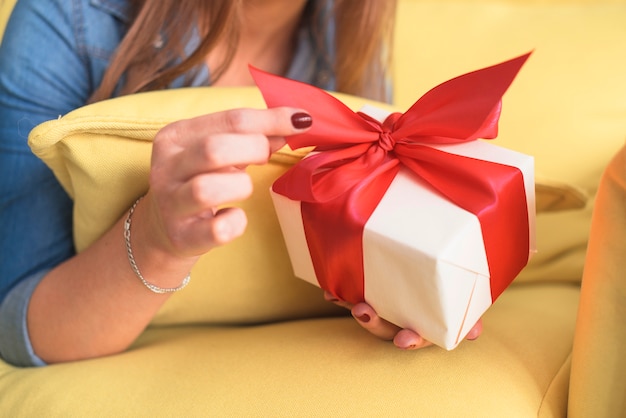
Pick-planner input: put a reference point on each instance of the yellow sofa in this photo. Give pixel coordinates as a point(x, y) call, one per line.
point(265, 344)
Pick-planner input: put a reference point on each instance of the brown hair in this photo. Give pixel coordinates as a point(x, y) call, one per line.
point(363, 43)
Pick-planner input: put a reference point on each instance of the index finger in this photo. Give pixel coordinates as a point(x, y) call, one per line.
point(275, 122)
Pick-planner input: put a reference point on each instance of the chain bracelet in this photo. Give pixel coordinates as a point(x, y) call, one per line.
point(133, 264)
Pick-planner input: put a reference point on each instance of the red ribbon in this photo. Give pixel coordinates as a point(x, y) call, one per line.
point(340, 186)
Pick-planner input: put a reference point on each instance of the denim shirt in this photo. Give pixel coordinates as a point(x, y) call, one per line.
point(53, 55)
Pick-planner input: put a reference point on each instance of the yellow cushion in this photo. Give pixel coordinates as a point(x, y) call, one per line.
point(597, 389)
point(519, 367)
point(6, 7)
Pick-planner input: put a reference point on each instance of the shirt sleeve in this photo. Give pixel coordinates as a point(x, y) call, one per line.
point(42, 75)
point(15, 346)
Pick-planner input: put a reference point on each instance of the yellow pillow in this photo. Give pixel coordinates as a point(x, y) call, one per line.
point(6, 7)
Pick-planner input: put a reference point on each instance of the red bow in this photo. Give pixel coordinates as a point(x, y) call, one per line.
point(340, 186)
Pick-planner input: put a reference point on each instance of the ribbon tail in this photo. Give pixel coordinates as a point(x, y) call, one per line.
point(334, 234)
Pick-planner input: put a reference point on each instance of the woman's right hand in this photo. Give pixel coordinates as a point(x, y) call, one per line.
point(198, 166)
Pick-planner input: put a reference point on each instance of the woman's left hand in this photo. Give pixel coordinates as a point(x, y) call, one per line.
point(405, 339)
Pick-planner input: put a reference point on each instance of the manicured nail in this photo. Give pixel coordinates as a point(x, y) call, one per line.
point(365, 318)
point(301, 120)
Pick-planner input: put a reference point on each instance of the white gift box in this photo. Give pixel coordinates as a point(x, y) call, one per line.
point(424, 258)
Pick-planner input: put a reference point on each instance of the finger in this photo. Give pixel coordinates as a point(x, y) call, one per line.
point(220, 151)
point(232, 138)
point(207, 191)
point(407, 339)
point(275, 122)
point(228, 224)
point(476, 330)
point(204, 233)
point(410, 340)
point(368, 319)
point(330, 298)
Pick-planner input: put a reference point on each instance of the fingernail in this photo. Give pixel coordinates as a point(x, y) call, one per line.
point(365, 318)
point(301, 120)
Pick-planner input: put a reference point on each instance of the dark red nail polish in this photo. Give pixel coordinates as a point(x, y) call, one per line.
point(301, 120)
point(365, 318)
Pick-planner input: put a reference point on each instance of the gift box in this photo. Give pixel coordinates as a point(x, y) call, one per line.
point(411, 213)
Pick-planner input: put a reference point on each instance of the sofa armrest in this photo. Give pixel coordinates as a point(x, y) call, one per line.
point(598, 382)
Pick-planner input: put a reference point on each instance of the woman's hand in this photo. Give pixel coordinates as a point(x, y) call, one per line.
point(405, 339)
point(198, 166)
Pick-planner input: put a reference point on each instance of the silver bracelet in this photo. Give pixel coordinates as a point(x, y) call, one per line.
point(131, 259)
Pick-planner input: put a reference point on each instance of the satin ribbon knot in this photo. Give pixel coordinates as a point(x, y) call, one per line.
point(386, 141)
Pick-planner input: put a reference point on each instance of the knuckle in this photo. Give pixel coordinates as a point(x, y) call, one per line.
point(212, 152)
point(168, 134)
point(281, 115)
point(217, 189)
point(237, 120)
point(199, 192)
point(196, 190)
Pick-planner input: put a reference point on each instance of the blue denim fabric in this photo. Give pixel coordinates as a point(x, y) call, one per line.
point(50, 61)
point(53, 55)
point(16, 347)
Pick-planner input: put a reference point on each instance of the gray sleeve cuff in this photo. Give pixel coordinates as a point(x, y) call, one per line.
point(15, 346)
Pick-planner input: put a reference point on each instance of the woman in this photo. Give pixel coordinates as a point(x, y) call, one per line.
point(60, 55)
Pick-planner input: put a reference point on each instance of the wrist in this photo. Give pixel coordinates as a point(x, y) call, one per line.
point(158, 269)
